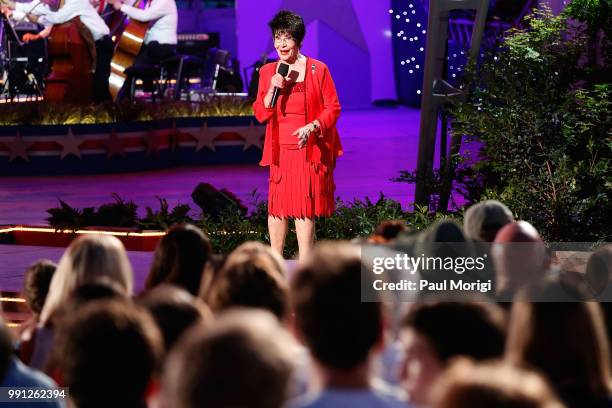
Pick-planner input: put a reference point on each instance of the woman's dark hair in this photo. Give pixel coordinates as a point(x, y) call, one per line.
point(463, 328)
point(180, 258)
point(286, 21)
point(174, 310)
point(566, 341)
point(36, 286)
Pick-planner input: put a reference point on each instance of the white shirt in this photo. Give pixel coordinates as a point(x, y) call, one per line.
point(81, 8)
point(164, 16)
point(336, 398)
point(36, 8)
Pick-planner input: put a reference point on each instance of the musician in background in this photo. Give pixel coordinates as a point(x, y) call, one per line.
point(20, 11)
point(90, 18)
point(161, 38)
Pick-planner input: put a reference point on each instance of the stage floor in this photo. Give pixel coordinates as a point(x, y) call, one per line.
point(377, 144)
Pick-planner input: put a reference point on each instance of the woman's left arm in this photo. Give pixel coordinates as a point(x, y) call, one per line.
point(331, 106)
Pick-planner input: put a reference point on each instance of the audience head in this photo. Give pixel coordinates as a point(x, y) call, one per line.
point(175, 310)
point(6, 350)
point(89, 258)
point(340, 330)
point(387, 231)
point(101, 289)
point(252, 276)
point(434, 332)
point(492, 385)
point(519, 256)
point(106, 353)
point(566, 341)
point(36, 284)
point(180, 258)
point(443, 240)
point(242, 360)
point(599, 270)
point(483, 220)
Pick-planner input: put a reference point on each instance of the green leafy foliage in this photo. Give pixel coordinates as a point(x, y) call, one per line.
point(66, 217)
point(165, 218)
point(119, 213)
point(542, 109)
point(354, 219)
point(230, 228)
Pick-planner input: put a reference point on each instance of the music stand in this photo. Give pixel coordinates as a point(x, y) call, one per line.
point(11, 31)
point(13, 37)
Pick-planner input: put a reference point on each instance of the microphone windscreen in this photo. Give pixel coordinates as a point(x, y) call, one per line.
point(283, 69)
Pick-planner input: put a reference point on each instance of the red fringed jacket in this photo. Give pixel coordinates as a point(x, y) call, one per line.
point(321, 103)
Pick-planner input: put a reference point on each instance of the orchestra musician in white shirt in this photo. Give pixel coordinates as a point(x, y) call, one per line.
point(40, 12)
point(161, 37)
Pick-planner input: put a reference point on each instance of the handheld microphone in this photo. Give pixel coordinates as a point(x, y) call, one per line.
point(283, 69)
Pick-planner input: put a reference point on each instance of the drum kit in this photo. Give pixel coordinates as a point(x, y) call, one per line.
point(22, 65)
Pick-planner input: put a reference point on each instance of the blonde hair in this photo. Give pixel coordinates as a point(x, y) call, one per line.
point(89, 258)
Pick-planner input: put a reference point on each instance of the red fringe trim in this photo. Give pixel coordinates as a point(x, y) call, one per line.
point(300, 189)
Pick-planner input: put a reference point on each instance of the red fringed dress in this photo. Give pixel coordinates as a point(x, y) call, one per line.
point(301, 181)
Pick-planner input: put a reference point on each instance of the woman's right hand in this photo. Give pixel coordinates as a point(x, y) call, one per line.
point(277, 81)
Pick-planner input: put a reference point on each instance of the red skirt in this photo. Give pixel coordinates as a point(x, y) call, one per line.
point(298, 188)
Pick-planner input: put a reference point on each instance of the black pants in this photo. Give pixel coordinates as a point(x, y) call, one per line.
point(152, 53)
point(104, 54)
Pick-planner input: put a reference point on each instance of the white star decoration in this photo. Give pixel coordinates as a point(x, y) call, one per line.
point(70, 145)
point(252, 136)
point(205, 137)
point(113, 145)
point(18, 148)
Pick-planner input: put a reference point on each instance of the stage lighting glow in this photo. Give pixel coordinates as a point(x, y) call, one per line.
point(12, 300)
point(21, 228)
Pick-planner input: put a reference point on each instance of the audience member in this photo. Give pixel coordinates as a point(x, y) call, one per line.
point(520, 259)
point(175, 310)
point(242, 360)
point(598, 277)
point(251, 277)
point(211, 270)
point(107, 353)
point(180, 258)
point(483, 220)
point(36, 284)
point(434, 332)
point(492, 385)
point(35, 288)
point(387, 231)
point(16, 375)
point(441, 242)
point(100, 289)
point(88, 258)
point(342, 332)
point(564, 341)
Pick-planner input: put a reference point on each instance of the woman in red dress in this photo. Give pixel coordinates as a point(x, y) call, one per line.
point(301, 143)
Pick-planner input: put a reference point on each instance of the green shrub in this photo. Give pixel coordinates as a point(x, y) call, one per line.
point(542, 110)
